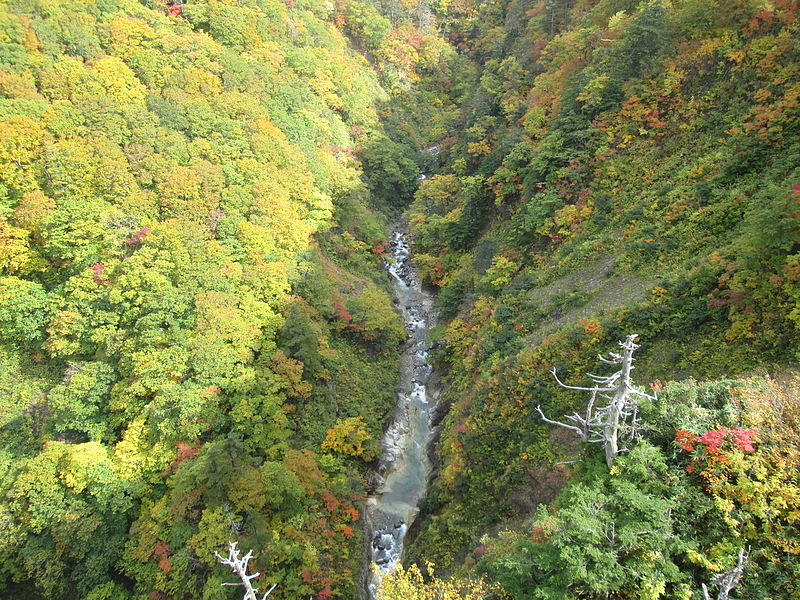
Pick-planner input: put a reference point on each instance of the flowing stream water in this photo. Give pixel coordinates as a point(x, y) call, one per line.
point(404, 467)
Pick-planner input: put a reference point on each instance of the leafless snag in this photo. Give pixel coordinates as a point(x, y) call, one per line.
point(615, 424)
point(728, 580)
point(239, 566)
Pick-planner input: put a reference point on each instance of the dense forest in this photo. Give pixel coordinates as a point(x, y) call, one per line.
point(198, 343)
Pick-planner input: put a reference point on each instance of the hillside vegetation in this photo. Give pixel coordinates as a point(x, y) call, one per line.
point(197, 341)
point(618, 168)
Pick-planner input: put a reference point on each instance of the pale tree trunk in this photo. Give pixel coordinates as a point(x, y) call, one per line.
point(622, 403)
point(728, 580)
point(611, 437)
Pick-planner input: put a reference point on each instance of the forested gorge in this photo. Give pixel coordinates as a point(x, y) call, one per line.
point(198, 343)
point(183, 363)
point(621, 168)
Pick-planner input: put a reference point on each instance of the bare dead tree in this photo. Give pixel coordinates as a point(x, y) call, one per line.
point(616, 423)
point(728, 580)
point(239, 567)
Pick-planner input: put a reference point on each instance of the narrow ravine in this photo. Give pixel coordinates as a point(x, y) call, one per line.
point(404, 467)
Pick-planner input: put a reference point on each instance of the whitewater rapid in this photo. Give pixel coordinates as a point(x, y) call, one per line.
point(404, 467)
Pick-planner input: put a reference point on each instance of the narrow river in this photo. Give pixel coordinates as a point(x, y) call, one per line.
point(404, 466)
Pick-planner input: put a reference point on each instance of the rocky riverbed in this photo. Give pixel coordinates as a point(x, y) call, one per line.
point(404, 468)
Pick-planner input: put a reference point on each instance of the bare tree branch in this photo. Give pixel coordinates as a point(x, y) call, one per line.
point(585, 389)
point(577, 430)
point(239, 567)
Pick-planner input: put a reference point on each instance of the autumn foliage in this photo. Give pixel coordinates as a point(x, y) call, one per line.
point(170, 172)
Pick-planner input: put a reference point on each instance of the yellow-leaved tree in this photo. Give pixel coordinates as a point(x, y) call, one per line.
point(412, 584)
point(348, 436)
